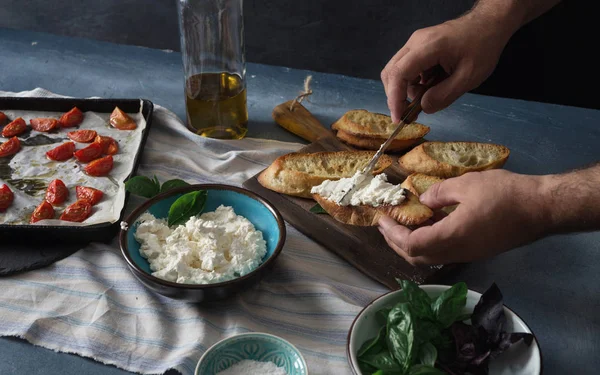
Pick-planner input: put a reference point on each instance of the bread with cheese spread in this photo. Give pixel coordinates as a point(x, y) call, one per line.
point(452, 159)
point(296, 173)
point(410, 212)
point(368, 130)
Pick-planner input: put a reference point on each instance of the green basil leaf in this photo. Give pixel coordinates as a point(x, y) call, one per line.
point(427, 331)
point(425, 370)
point(366, 368)
point(142, 186)
point(448, 307)
point(186, 206)
point(401, 336)
point(172, 184)
point(373, 346)
point(381, 316)
point(317, 209)
point(383, 361)
point(380, 372)
point(428, 354)
point(420, 302)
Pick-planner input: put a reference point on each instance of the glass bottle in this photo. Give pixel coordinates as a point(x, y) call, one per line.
point(212, 47)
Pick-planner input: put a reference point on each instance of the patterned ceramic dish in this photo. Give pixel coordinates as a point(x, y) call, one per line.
point(518, 360)
point(257, 210)
point(252, 346)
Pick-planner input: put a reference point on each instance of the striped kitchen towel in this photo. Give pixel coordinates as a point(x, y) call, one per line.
point(90, 304)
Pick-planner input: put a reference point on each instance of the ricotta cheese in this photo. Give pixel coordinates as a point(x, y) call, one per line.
point(368, 190)
point(251, 367)
point(213, 247)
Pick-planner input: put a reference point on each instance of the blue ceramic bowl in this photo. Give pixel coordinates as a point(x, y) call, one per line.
point(257, 210)
point(253, 346)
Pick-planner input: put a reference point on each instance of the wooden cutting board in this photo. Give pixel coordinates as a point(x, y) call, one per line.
point(362, 247)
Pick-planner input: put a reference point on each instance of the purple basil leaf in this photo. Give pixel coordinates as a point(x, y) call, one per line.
point(489, 313)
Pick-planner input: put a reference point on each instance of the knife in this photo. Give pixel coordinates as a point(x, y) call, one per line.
point(436, 74)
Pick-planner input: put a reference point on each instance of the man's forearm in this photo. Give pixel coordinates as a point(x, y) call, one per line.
point(510, 14)
point(572, 200)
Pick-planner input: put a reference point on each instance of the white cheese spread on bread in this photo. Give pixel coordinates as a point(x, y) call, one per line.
point(213, 247)
point(368, 190)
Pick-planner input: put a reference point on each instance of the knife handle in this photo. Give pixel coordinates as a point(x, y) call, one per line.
point(435, 75)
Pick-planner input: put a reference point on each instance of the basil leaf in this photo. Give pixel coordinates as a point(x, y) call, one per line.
point(382, 361)
point(425, 370)
point(382, 315)
point(420, 302)
point(317, 209)
point(172, 184)
point(156, 181)
point(142, 186)
point(373, 346)
point(448, 307)
point(400, 335)
point(428, 354)
point(366, 368)
point(186, 206)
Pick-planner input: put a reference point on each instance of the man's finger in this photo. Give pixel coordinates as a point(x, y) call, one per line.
point(446, 92)
point(445, 193)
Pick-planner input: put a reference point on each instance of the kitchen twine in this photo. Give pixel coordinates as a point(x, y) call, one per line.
point(307, 91)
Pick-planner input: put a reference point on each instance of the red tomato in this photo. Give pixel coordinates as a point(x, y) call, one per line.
point(99, 167)
point(6, 197)
point(43, 211)
point(83, 136)
point(91, 152)
point(109, 145)
point(3, 118)
point(10, 147)
point(62, 152)
point(43, 124)
point(57, 192)
point(77, 212)
point(72, 118)
point(88, 194)
point(121, 120)
point(17, 127)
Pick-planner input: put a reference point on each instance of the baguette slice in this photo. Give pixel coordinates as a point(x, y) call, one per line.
point(418, 183)
point(369, 130)
point(452, 159)
point(410, 212)
point(295, 174)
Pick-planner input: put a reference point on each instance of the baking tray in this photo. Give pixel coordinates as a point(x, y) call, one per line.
point(52, 234)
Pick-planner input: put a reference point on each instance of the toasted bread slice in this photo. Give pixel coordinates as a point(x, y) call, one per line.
point(451, 159)
point(409, 212)
point(370, 143)
point(418, 183)
point(296, 173)
point(369, 130)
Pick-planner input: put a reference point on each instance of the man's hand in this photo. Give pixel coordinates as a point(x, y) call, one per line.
point(468, 50)
point(497, 211)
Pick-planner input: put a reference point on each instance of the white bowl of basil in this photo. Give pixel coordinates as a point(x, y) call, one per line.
point(441, 329)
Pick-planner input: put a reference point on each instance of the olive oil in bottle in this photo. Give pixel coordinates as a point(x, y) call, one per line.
point(216, 105)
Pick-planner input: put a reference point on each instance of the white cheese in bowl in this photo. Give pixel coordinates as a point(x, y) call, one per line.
point(213, 247)
point(365, 190)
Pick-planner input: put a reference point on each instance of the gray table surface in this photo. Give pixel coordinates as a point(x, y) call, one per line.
point(552, 284)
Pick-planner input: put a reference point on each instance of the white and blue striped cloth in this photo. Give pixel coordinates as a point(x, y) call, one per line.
point(91, 305)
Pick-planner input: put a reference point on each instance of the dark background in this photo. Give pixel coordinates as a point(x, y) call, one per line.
point(549, 60)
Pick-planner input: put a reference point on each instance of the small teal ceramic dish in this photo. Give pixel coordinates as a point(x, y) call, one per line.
point(262, 214)
point(255, 346)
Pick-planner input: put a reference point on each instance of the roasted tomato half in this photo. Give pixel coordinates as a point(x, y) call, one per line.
point(109, 145)
point(91, 152)
point(88, 194)
point(43, 211)
point(57, 192)
point(77, 212)
point(99, 167)
point(43, 124)
point(10, 147)
point(121, 120)
point(82, 136)
point(72, 118)
point(6, 197)
point(17, 127)
point(62, 152)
